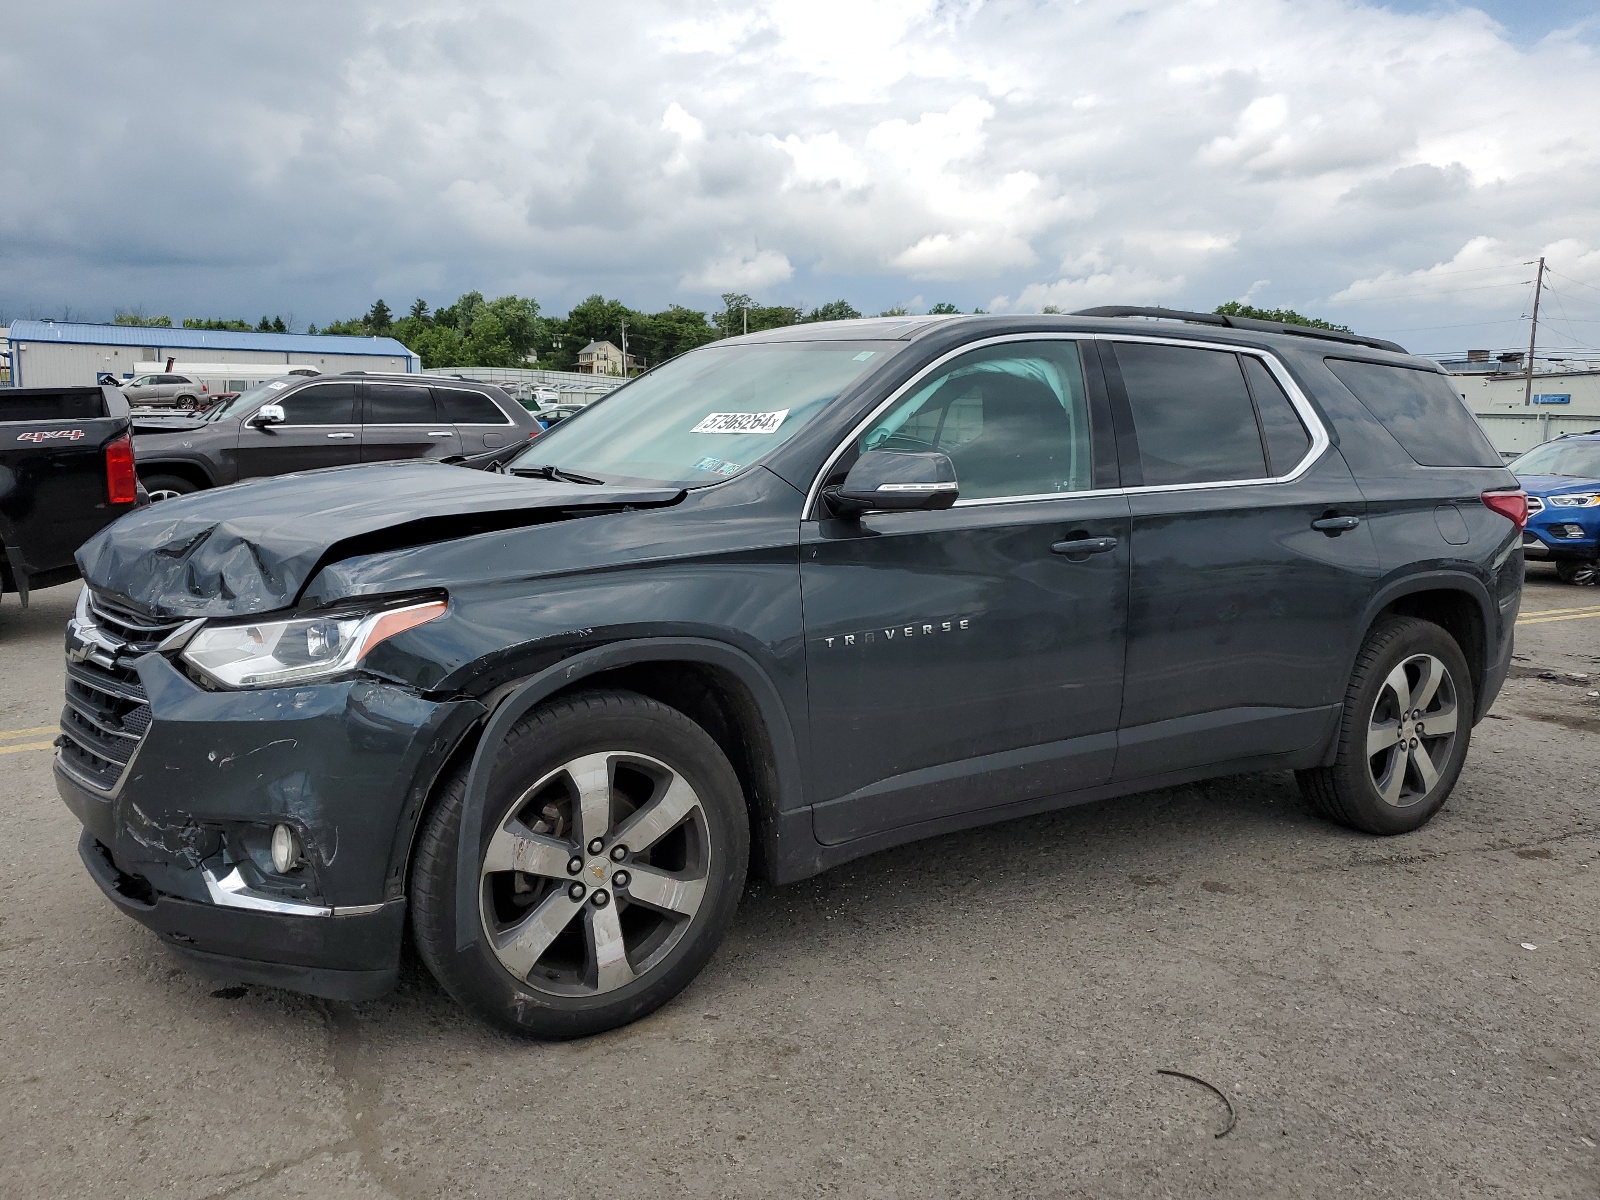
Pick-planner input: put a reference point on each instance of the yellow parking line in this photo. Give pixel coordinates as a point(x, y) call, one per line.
point(1575, 616)
point(11, 733)
point(26, 746)
point(1550, 612)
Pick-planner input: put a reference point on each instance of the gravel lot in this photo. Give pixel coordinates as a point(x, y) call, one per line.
point(983, 1014)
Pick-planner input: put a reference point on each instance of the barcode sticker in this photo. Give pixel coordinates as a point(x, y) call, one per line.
point(742, 422)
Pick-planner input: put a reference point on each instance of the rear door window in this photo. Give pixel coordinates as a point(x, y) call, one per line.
point(321, 404)
point(1191, 413)
point(470, 408)
point(1281, 429)
point(400, 404)
point(1421, 410)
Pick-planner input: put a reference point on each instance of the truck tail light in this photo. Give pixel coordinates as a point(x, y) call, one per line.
point(122, 482)
point(1512, 505)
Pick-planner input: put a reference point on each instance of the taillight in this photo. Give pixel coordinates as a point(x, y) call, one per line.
point(122, 482)
point(205, 389)
point(1512, 505)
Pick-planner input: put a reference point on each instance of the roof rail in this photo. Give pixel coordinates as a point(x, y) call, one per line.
point(1248, 323)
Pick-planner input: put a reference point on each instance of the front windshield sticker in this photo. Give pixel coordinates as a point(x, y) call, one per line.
point(276, 384)
point(718, 466)
point(742, 422)
point(864, 355)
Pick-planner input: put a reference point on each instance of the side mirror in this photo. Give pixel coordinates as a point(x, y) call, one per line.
point(269, 414)
point(896, 481)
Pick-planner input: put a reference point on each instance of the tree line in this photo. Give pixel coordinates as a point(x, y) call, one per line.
point(511, 331)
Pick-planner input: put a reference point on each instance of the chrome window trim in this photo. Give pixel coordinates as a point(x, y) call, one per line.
point(1320, 441)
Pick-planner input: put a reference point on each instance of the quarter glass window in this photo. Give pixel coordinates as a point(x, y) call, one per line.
point(1286, 438)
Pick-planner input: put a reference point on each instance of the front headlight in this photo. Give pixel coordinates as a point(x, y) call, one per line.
point(1576, 500)
point(264, 653)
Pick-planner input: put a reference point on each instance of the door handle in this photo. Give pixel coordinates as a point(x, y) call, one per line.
point(1083, 547)
point(1334, 526)
point(441, 433)
point(341, 435)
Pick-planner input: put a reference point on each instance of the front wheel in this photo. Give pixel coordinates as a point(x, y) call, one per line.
point(1404, 732)
point(615, 842)
point(1584, 571)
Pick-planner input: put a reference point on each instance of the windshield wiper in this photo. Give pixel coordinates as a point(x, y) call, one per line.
point(554, 473)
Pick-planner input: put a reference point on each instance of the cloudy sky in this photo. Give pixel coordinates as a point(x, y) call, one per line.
point(1389, 166)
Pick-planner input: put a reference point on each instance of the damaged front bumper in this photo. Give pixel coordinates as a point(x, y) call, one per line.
point(177, 831)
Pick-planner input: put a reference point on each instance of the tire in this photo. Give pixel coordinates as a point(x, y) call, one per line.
point(188, 403)
point(1583, 571)
point(1391, 791)
point(546, 964)
point(167, 487)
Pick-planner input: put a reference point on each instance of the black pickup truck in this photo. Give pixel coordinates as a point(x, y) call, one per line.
point(66, 472)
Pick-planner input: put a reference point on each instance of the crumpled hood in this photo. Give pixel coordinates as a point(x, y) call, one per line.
point(254, 546)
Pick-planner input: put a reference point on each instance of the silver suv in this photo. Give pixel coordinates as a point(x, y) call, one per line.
point(164, 391)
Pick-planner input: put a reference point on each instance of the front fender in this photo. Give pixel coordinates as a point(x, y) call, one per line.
point(787, 828)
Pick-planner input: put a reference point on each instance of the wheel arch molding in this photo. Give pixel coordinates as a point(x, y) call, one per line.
point(1449, 599)
point(194, 470)
point(769, 770)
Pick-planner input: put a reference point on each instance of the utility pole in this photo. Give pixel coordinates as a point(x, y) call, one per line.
point(624, 321)
point(1533, 333)
point(745, 308)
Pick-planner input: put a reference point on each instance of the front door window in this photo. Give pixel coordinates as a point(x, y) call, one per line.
point(1014, 420)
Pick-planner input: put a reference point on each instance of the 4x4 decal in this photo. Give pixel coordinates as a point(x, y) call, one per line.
point(50, 435)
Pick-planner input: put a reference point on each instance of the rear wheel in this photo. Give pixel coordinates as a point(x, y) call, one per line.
point(167, 487)
point(1578, 570)
point(615, 845)
point(188, 403)
point(1404, 733)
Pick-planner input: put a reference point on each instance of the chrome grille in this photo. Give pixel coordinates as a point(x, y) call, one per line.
point(135, 630)
point(107, 712)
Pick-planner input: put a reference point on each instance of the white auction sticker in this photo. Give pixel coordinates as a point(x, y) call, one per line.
point(741, 422)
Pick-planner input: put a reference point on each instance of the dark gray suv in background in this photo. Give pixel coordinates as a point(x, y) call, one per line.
point(786, 600)
point(298, 423)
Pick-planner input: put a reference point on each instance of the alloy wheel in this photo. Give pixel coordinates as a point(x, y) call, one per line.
point(595, 873)
point(163, 494)
point(1584, 572)
point(1412, 730)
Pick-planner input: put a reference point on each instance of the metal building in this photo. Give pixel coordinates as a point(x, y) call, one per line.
point(68, 353)
point(1564, 398)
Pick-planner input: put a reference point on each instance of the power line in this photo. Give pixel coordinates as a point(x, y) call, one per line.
point(1579, 282)
point(1428, 295)
point(1466, 325)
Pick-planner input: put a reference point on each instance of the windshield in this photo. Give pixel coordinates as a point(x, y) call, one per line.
point(245, 399)
point(706, 416)
point(1581, 460)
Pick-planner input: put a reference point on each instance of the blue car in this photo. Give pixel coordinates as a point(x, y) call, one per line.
point(1562, 479)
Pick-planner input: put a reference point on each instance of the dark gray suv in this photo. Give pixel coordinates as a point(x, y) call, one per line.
point(298, 423)
point(786, 600)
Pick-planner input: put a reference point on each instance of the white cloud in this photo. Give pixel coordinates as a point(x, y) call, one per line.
point(761, 269)
point(677, 120)
point(1183, 151)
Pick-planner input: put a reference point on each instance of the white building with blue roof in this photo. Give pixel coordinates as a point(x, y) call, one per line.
point(68, 353)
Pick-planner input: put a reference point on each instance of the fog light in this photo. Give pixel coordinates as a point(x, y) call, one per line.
point(285, 849)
